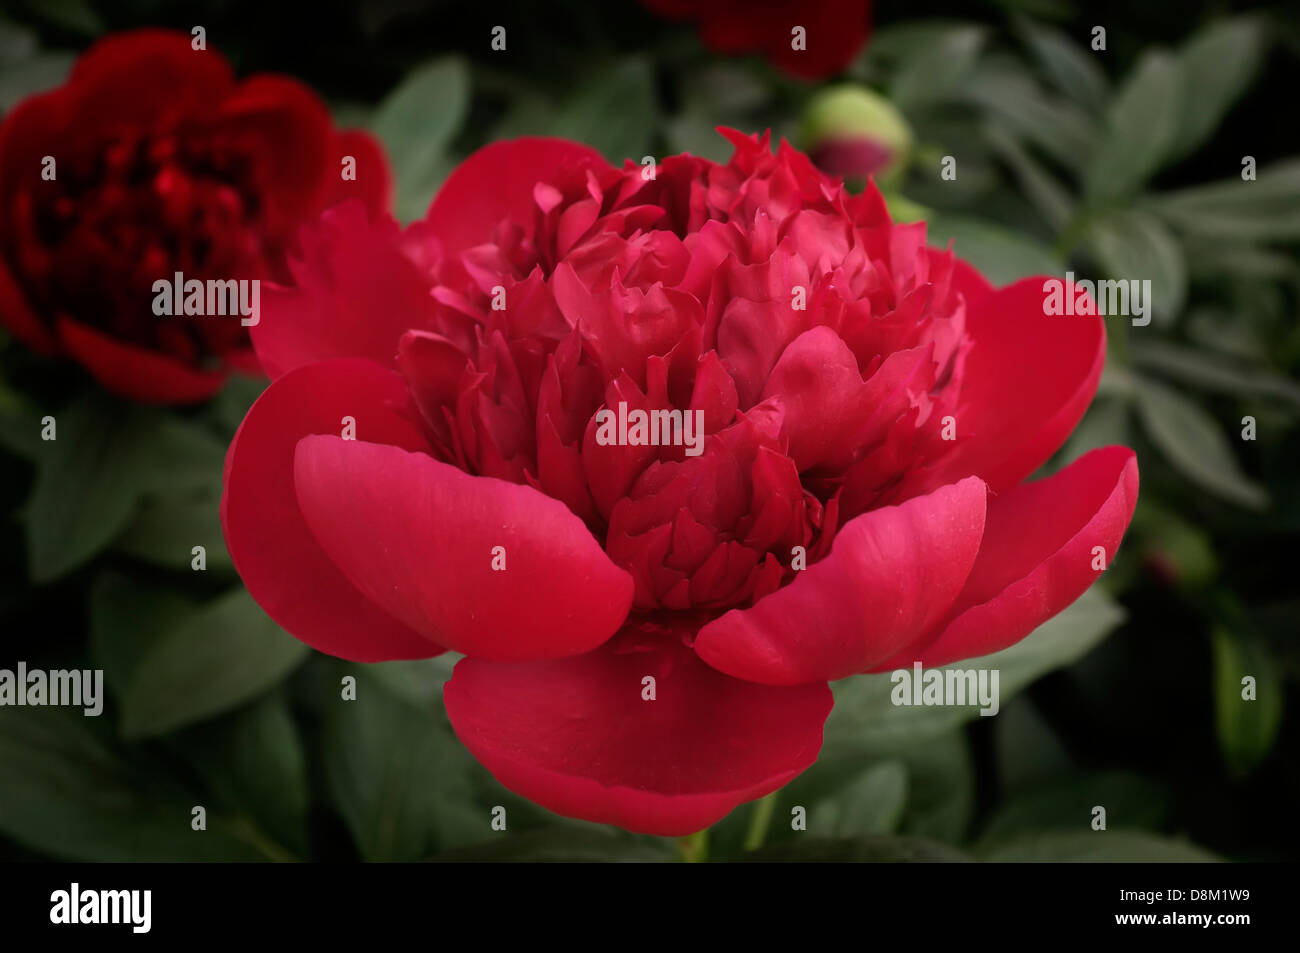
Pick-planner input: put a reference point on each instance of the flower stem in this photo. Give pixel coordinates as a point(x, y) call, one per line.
point(694, 849)
point(760, 821)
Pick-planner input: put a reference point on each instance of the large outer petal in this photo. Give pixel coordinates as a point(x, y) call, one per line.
point(890, 577)
point(276, 554)
point(150, 377)
point(420, 538)
point(1028, 379)
point(497, 182)
point(577, 736)
point(1037, 555)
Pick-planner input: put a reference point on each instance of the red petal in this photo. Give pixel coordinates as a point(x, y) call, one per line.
point(818, 383)
point(374, 182)
point(1028, 380)
point(836, 30)
point(891, 575)
point(132, 76)
point(576, 736)
point(419, 538)
point(26, 136)
point(1037, 554)
point(146, 376)
point(357, 294)
point(969, 282)
point(497, 181)
point(294, 128)
point(274, 551)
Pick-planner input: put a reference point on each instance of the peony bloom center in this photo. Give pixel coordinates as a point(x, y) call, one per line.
point(122, 215)
point(819, 345)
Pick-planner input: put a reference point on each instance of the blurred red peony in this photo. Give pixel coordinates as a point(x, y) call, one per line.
point(833, 30)
point(643, 645)
point(162, 163)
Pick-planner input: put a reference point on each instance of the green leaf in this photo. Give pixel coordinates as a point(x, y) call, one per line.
point(1141, 127)
point(865, 714)
point(32, 75)
point(1265, 209)
point(724, 91)
point(1117, 382)
point(1136, 246)
point(20, 427)
point(935, 71)
point(253, 763)
point(1212, 371)
point(419, 681)
point(1049, 197)
point(873, 804)
point(166, 529)
point(1054, 125)
point(1191, 440)
point(1105, 425)
point(906, 39)
point(128, 618)
point(417, 122)
point(1210, 258)
point(940, 795)
point(940, 786)
point(868, 849)
point(17, 43)
point(398, 777)
point(64, 792)
point(615, 112)
point(1218, 64)
point(107, 456)
point(1001, 255)
point(1028, 750)
point(176, 455)
point(1109, 847)
point(1071, 68)
point(1066, 803)
point(87, 484)
point(529, 114)
point(229, 407)
point(698, 136)
point(222, 655)
point(1247, 729)
point(1216, 328)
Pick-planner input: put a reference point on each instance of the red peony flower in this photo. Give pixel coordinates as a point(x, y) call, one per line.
point(834, 30)
point(643, 645)
point(161, 164)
